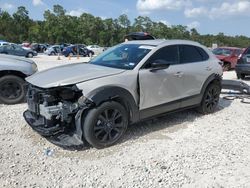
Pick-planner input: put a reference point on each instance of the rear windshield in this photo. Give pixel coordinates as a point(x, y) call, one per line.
point(222, 51)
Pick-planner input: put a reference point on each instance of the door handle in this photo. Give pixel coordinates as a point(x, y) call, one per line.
point(208, 68)
point(178, 74)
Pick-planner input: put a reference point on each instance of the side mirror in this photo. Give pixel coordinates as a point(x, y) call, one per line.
point(159, 64)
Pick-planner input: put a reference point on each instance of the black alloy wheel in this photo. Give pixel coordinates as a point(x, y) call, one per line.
point(210, 99)
point(109, 125)
point(104, 125)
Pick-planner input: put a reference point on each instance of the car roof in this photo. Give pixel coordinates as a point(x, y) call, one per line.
point(229, 48)
point(159, 42)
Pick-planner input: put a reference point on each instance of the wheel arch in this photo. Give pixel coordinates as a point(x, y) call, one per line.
point(226, 62)
point(12, 72)
point(118, 94)
point(211, 79)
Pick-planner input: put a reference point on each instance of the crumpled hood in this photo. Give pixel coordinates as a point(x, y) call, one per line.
point(70, 74)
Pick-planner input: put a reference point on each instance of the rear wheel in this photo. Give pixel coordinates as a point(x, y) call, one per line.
point(12, 89)
point(104, 125)
point(30, 55)
point(241, 76)
point(210, 98)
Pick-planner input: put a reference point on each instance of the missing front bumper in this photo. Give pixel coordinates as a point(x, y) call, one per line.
point(63, 136)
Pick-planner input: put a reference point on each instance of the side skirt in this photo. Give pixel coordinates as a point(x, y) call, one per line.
point(179, 105)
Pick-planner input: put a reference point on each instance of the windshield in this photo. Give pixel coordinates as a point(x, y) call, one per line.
point(122, 56)
point(222, 51)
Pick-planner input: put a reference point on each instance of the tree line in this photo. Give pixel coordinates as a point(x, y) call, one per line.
point(58, 27)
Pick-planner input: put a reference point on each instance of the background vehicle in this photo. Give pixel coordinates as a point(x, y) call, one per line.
point(138, 36)
point(95, 48)
point(77, 49)
point(64, 45)
point(14, 49)
point(228, 55)
point(13, 71)
point(125, 84)
point(39, 48)
point(53, 50)
point(243, 65)
point(2, 43)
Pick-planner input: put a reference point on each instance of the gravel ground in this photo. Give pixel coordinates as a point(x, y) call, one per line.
point(182, 149)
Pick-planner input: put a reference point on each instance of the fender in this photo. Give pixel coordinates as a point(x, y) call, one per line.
point(210, 79)
point(118, 94)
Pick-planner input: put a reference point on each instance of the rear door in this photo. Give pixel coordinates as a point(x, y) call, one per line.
point(164, 85)
point(197, 69)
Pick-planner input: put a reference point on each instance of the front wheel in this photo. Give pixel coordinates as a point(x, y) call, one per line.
point(12, 89)
point(104, 125)
point(210, 99)
point(30, 55)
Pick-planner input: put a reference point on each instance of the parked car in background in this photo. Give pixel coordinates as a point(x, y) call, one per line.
point(228, 55)
point(53, 50)
point(2, 43)
point(13, 71)
point(39, 48)
point(243, 65)
point(125, 84)
point(77, 49)
point(26, 45)
point(14, 49)
point(95, 48)
point(64, 45)
point(138, 36)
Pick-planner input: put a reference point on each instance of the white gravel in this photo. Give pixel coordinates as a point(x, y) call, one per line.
point(183, 149)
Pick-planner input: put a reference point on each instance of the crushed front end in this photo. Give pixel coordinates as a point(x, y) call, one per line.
point(55, 113)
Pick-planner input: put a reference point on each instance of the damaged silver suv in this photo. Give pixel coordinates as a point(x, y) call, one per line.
point(132, 81)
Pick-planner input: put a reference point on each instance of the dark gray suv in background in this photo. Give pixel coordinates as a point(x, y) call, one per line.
point(127, 83)
point(13, 71)
point(243, 65)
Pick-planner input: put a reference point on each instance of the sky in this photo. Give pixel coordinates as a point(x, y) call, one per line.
point(232, 17)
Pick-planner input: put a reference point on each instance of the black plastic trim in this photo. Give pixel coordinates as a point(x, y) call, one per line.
point(177, 105)
point(106, 93)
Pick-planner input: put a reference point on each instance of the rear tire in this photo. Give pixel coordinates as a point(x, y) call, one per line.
point(12, 89)
point(30, 55)
point(210, 98)
point(105, 125)
point(242, 76)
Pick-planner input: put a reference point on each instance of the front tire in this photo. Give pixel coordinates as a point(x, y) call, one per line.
point(30, 55)
point(104, 125)
point(210, 98)
point(12, 89)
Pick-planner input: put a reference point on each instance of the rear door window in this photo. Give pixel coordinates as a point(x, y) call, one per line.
point(190, 54)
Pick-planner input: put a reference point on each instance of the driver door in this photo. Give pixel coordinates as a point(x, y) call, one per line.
point(163, 86)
